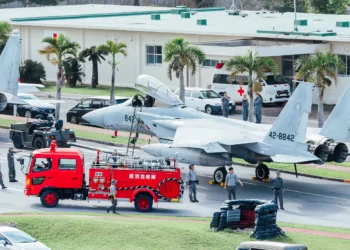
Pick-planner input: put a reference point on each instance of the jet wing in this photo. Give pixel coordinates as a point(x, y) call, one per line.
point(210, 136)
point(29, 88)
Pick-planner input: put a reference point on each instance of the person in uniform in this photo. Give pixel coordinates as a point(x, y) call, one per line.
point(278, 188)
point(258, 101)
point(136, 102)
point(114, 159)
point(11, 164)
point(230, 184)
point(225, 105)
point(1, 181)
point(192, 181)
point(245, 106)
point(113, 197)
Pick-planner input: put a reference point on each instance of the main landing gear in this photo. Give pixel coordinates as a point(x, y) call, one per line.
point(220, 175)
point(262, 171)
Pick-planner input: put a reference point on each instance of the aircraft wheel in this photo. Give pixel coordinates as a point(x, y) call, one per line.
point(262, 171)
point(220, 175)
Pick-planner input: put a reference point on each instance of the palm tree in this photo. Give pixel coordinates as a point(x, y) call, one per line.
point(55, 52)
point(73, 71)
point(32, 71)
point(321, 69)
point(114, 48)
point(255, 66)
point(5, 29)
point(180, 54)
point(93, 54)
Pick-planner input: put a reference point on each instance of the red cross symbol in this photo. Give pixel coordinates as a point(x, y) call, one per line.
point(240, 91)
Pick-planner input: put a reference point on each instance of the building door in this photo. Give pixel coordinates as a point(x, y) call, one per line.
point(288, 70)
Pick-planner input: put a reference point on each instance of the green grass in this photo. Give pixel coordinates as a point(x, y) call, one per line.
point(201, 219)
point(307, 169)
point(85, 89)
point(105, 233)
point(105, 137)
point(87, 134)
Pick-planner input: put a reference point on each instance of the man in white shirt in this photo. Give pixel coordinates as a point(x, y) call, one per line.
point(230, 184)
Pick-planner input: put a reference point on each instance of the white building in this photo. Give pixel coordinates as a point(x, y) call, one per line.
point(271, 34)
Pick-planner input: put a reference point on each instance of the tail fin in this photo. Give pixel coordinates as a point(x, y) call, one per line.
point(289, 130)
point(9, 64)
point(337, 126)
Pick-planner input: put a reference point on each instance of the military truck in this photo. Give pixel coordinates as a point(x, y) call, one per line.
point(40, 134)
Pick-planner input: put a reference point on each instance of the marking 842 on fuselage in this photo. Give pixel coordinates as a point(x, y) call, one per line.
point(281, 136)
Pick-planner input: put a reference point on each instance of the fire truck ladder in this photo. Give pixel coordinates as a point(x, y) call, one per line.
point(135, 128)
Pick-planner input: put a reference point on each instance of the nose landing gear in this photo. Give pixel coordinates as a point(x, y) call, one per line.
point(262, 171)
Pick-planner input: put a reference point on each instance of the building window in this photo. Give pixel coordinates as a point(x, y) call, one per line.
point(346, 61)
point(210, 63)
point(154, 54)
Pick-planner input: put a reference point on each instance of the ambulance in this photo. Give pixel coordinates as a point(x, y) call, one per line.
point(275, 89)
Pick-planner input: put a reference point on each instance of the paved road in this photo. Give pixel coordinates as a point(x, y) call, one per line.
point(308, 201)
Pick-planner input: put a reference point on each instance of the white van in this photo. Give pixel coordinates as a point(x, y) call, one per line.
point(275, 89)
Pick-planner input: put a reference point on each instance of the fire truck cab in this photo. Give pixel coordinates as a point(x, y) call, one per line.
point(55, 174)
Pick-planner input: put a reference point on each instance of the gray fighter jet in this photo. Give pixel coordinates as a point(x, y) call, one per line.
point(164, 122)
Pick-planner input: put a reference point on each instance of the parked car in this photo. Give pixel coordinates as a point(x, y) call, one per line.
point(205, 100)
point(75, 114)
point(14, 239)
point(34, 101)
point(269, 245)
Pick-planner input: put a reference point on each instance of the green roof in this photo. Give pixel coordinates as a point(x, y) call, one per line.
point(101, 15)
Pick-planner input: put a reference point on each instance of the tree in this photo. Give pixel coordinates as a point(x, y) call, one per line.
point(114, 48)
point(93, 54)
point(55, 52)
point(327, 6)
point(256, 67)
point(73, 71)
point(180, 54)
point(205, 3)
point(321, 69)
point(5, 29)
point(32, 72)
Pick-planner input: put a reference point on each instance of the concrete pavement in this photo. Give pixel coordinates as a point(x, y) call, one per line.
point(307, 201)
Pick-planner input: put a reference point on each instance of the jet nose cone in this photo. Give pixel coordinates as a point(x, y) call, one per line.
point(95, 117)
point(154, 150)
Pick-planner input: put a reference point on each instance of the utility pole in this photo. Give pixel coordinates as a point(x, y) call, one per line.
point(295, 16)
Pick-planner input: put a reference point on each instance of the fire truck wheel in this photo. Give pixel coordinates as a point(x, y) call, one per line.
point(38, 143)
point(143, 203)
point(49, 198)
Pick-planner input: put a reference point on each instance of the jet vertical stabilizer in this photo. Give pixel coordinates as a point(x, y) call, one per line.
point(9, 71)
point(9, 64)
point(337, 125)
point(289, 130)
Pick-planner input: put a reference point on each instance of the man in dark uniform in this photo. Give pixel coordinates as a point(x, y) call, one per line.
point(1, 181)
point(225, 105)
point(11, 164)
point(136, 102)
point(245, 107)
point(278, 188)
point(258, 102)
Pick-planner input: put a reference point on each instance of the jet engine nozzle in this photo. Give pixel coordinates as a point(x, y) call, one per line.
point(322, 146)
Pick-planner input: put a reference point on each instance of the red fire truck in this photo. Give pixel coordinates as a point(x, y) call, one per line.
point(55, 174)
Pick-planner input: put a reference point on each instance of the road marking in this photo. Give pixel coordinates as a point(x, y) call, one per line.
point(14, 189)
point(290, 190)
